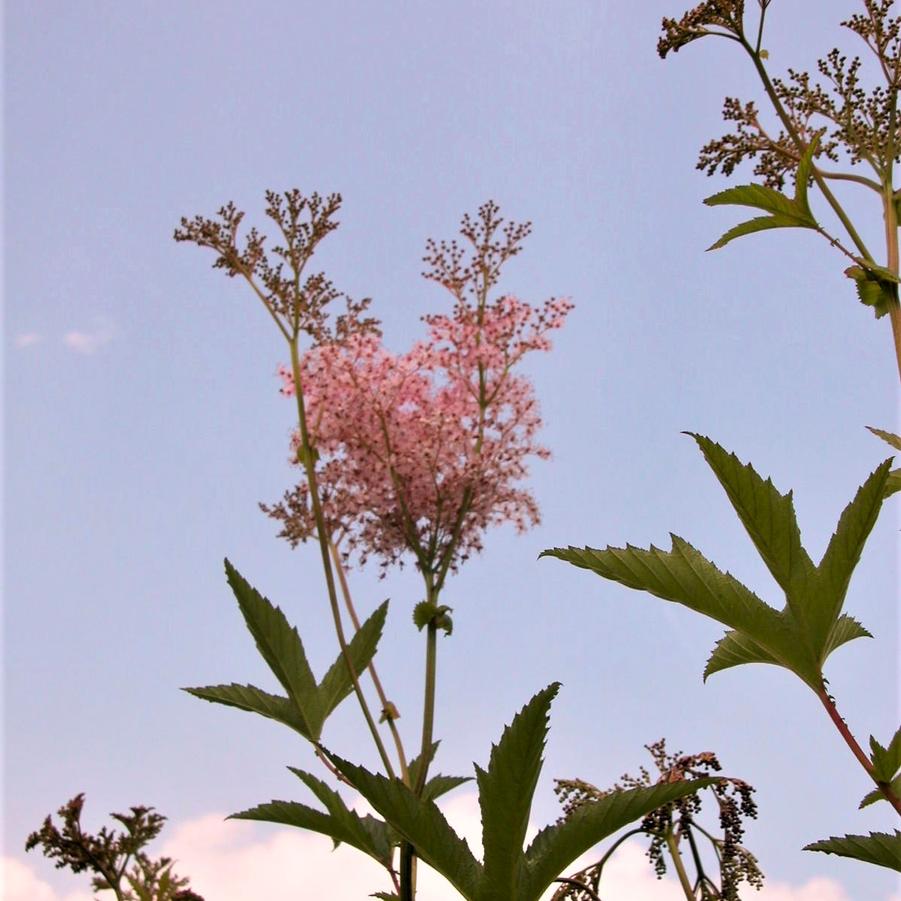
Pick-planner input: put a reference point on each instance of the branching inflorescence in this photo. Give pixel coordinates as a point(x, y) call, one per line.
point(420, 452)
point(673, 825)
point(818, 120)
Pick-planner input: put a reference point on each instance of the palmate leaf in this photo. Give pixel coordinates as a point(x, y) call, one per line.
point(420, 822)
point(768, 516)
point(255, 700)
point(879, 848)
point(291, 813)
point(815, 595)
point(686, 577)
point(810, 627)
point(506, 790)
point(368, 829)
point(337, 684)
point(280, 646)
point(556, 847)
point(785, 212)
point(827, 591)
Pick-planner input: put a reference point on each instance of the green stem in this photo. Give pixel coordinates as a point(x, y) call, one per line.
point(673, 846)
point(890, 214)
point(407, 851)
point(799, 143)
point(407, 874)
point(388, 710)
point(428, 706)
point(856, 749)
point(323, 537)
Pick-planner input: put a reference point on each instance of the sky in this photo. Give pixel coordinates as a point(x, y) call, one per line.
point(143, 423)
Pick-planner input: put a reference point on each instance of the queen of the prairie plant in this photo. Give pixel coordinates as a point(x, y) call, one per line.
point(421, 452)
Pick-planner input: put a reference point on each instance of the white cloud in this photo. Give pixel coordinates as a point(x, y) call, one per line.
point(20, 883)
point(89, 342)
point(235, 860)
point(28, 339)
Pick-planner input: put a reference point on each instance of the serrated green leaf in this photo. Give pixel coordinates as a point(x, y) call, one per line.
point(291, 813)
point(686, 577)
point(348, 820)
point(337, 684)
point(886, 761)
point(423, 613)
point(426, 612)
point(878, 848)
point(768, 516)
point(281, 648)
point(421, 823)
point(785, 212)
point(846, 629)
point(414, 765)
point(826, 593)
point(440, 785)
point(892, 483)
point(876, 795)
point(557, 846)
point(814, 594)
point(760, 197)
point(255, 700)
point(889, 437)
point(877, 286)
point(758, 224)
point(735, 649)
point(506, 790)
point(385, 896)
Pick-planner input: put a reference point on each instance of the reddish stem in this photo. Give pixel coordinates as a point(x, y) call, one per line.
point(856, 749)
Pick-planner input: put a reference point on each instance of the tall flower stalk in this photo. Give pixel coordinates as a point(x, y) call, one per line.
point(814, 122)
point(409, 455)
point(809, 625)
point(297, 303)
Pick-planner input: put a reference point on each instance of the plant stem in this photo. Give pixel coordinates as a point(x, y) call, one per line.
point(673, 845)
point(388, 708)
point(407, 876)
point(407, 852)
point(428, 706)
point(856, 749)
point(891, 245)
point(799, 143)
point(322, 535)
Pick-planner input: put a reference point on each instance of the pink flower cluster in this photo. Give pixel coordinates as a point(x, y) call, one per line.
point(421, 452)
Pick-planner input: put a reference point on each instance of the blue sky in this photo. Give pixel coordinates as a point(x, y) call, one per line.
point(143, 420)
